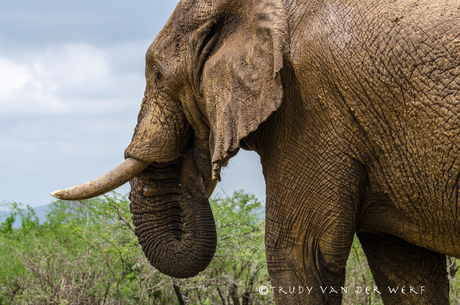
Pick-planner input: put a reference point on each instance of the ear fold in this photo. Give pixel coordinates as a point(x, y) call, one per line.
point(240, 83)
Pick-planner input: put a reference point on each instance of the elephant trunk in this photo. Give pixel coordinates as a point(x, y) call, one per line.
point(173, 218)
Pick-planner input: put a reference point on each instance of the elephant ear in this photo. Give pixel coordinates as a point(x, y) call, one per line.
point(240, 82)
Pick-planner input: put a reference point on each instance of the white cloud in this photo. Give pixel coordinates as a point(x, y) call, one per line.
point(73, 65)
point(70, 78)
point(22, 90)
point(13, 77)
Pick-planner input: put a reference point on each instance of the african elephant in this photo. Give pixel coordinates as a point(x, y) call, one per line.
point(353, 107)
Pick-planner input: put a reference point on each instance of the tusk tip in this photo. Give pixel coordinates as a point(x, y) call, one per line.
point(56, 194)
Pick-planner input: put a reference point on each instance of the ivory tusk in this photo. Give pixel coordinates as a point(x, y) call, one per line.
point(121, 174)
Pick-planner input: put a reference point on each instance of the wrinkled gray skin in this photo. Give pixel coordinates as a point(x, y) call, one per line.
point(353, 107)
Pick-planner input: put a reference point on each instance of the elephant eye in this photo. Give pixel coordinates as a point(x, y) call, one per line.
point(158, 78)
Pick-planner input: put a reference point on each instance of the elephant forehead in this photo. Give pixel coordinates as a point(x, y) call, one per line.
point(172, 39)
point(166, 53)
point(190, 14)
point(196, 8)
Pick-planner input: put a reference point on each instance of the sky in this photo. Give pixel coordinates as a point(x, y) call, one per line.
point(71, 85)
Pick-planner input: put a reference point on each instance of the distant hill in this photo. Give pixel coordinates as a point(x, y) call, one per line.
point(41, 212)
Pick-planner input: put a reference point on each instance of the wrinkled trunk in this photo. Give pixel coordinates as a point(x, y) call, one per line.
point(173, 218)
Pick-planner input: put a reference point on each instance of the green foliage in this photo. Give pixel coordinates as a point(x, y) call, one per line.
point(7, 226)
point(358, 278)
point(86, 253)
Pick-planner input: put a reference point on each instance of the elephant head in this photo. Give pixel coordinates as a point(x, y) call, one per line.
point(212, 78)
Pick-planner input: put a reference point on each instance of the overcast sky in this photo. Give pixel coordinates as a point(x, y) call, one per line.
point(71, 85)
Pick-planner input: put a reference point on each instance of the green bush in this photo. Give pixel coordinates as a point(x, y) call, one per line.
point(86, 253)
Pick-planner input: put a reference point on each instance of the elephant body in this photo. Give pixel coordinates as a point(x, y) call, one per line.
point(371, 118)
point(353, 107)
